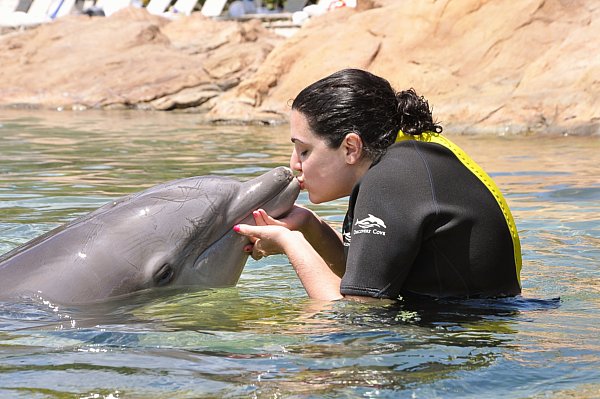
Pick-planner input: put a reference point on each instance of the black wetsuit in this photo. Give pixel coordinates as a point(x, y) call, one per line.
point(421, 222)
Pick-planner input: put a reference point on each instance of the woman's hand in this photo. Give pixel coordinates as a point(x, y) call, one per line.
point(267, 240)
point(268, 236)
point(325, 240)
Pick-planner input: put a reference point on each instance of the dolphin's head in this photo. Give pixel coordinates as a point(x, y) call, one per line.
point(174, 234)
point(181, 233)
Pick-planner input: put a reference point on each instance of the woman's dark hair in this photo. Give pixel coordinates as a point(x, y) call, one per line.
point(353, 100)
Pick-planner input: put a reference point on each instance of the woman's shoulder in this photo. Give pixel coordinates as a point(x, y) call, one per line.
point(414, 155)
point(396, 166)
point(398, 158)
point(398, 179)
point(407, 164)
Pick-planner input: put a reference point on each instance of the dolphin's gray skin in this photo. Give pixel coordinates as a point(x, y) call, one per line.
point(174, 234)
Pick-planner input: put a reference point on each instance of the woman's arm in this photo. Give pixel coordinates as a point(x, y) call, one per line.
point(318, 279)
point(327, 242)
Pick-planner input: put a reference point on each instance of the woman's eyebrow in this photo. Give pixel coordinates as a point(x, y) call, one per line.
point(295, 140)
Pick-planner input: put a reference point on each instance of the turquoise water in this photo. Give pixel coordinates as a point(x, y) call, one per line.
point(264, 338)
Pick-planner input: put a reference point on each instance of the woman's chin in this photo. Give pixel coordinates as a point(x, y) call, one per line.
point(315, 199)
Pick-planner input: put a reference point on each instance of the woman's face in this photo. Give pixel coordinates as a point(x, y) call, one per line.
point(324, 171)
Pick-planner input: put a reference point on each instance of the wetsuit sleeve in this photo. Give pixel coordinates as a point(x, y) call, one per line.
point(387, 229)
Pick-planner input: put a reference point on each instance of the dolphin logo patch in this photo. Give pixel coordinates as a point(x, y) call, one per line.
point(370, 222)
point(369, 225)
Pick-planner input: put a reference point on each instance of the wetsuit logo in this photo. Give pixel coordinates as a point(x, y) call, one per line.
point(370, 222)
point(370, 225)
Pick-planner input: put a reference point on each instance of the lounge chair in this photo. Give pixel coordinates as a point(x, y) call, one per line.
point(40, 11)
point(257, 11)
point(61, 8)
point(292, 6)
point(9, 6)
point(323, 6)
point(181, 7)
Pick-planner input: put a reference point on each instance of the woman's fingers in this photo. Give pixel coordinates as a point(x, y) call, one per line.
point(254, 248)
point(259, 217)
point(270, 220)
point(259, 221)
point(258, 252)
point(248, 230)
point(262, 218)
point(268, 239)
point(249, 248)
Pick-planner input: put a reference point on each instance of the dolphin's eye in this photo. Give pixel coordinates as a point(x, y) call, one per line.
point(164, 275)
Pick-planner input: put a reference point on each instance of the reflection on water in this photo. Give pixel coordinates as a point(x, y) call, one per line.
point(263, 338)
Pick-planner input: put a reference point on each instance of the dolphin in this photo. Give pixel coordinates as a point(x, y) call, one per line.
point(179, 233)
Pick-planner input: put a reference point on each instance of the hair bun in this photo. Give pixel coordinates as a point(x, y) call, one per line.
point(413, 114)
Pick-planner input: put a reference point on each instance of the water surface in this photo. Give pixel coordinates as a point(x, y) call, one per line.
point(264, 338)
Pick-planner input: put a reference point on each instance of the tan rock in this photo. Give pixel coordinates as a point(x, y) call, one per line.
point(485, 66)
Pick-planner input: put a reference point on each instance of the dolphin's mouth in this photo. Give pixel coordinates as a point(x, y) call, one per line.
point(278, 204)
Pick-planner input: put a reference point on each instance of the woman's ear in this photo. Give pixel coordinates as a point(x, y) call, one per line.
point(353, 148)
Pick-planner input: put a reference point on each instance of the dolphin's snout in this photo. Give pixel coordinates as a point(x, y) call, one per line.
point(283, 173)
point(274, 191)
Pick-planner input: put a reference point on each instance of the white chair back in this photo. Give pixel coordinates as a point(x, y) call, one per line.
point(39, 8)
point(184, 7)
point(60, 8)
point(213, 8)
point(157, 7)
point(112, 6)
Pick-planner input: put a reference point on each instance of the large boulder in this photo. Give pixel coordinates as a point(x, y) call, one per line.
point(130, 59)
point(486, 66)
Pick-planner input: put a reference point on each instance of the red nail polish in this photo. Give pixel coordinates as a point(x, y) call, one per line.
point(236, 228)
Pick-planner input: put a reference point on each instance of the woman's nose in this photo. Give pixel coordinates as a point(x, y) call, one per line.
point(295, 163)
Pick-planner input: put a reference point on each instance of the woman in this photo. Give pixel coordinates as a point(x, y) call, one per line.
point(423, 218)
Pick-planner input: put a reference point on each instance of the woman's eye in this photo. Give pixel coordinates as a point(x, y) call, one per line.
point(164, 275)
point(304, 153)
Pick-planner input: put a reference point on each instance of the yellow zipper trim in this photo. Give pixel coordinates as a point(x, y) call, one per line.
point(432, 137)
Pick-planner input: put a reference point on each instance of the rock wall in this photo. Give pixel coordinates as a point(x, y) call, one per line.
point(495, 66)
